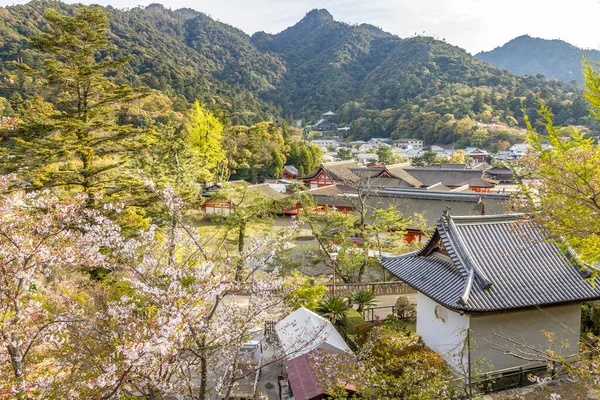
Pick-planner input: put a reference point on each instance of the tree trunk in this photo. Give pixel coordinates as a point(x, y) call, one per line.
point(16, 360)
point(203, 372)
point(241, 236)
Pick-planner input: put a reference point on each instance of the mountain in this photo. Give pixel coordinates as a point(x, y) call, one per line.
point(526, 55)
point(381, 84)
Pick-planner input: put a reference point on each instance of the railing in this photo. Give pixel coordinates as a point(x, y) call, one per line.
point(379, 288)
point(372, 314)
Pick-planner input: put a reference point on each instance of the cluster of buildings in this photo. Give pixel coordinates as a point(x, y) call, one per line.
point(489, 283)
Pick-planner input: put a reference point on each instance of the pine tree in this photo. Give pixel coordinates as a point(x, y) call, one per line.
point(80, 144)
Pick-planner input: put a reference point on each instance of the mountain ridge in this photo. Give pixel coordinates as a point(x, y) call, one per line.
point(528, 55)
point(383, 84)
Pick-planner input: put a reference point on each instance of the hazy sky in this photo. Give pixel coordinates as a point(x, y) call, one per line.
point(472, 24)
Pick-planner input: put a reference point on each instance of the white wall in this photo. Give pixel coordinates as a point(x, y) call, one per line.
point(524, 328)
point(444, 333)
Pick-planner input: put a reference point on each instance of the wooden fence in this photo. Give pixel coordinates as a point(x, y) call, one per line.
point(379, 288)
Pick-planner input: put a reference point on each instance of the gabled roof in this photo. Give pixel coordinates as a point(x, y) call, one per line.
point(303, 331)
point(399, 171)
point(492, 263)
point(338, 171)
point(449, 176)
point(475, 150)
point(302, 377)
point(329, 113)
point(291, 169)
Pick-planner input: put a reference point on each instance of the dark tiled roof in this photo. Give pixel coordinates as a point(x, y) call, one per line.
point(490, 264)
point(448, 176)
point(411, 201)
point(338, 171)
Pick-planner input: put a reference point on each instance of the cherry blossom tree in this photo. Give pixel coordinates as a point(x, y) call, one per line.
point(168, 317)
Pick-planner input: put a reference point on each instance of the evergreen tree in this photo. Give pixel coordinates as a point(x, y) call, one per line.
point(80, 145)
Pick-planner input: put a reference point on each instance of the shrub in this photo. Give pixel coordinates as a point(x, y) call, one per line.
point(405, 310)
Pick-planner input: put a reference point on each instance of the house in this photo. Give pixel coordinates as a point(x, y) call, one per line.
point(416, 144)
point(290, 172)
point(326, 122)
point(491, 285)
point(367, 158)
point(324, 144)
point(410, 201)
point(519, 149)
point(453, 178)
point(357, 143)
point(331, 172)
point(500, 174)
point(303, 331)
point(477, 155)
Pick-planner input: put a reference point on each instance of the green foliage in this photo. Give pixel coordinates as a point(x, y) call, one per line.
point(385, 155)
point(563, 195)
point(255, 153)
point(76, 142)
point(204, 134)
point(363, 298)
point(353, 317)
point(405, 310)
point(428, 159)
point(308, 293)
point(380, 84)
point(335, 309)
point(306, 158)
point(345, 154)
point(590, 318)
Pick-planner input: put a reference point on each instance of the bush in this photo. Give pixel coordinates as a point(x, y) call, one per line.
point(590, 317)
point(353, 318)
point(405, 310)
point(360, 333)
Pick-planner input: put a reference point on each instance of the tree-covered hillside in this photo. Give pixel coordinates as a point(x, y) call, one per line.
point(379, 83)
point(526, 55)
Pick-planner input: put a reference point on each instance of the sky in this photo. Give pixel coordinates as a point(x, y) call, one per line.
point(475, 25)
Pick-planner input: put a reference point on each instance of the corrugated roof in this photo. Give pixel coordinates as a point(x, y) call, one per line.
point(492, 263)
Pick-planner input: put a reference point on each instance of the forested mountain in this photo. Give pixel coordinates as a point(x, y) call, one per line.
point(526, 55)
point(381, 84)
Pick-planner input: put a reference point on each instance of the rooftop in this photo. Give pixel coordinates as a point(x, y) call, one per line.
point(493, 263)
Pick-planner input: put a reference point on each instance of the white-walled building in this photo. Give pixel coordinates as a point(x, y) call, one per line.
point(498, 279)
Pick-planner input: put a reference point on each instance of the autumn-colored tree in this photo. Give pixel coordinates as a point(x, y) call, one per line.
point(204, 134)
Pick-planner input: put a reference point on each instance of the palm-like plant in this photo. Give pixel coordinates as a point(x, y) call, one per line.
point(334, 309)
point(363, 298)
